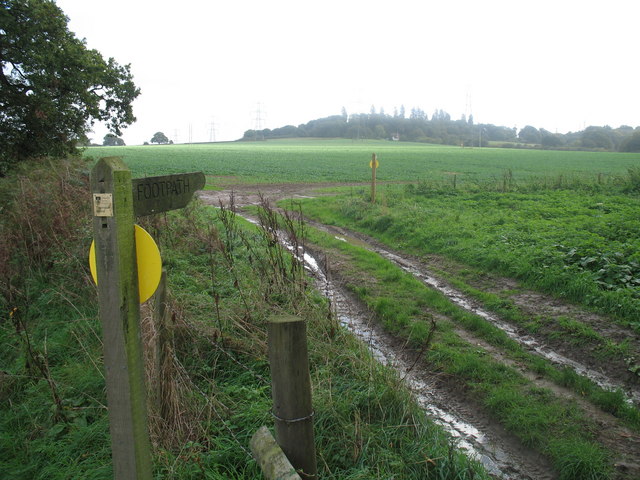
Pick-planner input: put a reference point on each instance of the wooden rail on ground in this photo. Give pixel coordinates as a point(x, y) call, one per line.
point(273, 462)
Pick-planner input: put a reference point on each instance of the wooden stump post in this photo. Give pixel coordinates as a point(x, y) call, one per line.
point(291, 392)
point(113, 226)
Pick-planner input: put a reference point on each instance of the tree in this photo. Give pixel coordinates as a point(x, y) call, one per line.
point(111, 140)
point(550, 140)
point(288, 131)
point(440, 116)
point(529, 134)
point(159, 137)
point(379, 131)
point(52, 88)
point(632, 143)
point(597, 138)
point(417, 114)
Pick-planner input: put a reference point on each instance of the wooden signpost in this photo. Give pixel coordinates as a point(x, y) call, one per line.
point(116, 201)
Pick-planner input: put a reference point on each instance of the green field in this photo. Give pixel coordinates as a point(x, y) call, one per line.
point(348, 161)
point(565, 222)
point(575, 244)
point(561, 222)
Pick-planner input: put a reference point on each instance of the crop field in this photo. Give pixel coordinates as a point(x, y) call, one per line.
point(348, 161)
point(566, 222)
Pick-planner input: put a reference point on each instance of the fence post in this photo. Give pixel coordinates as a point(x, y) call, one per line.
point(291, 392)
point(113, 226)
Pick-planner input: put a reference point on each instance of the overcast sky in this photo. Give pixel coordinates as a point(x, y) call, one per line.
point(213, 69)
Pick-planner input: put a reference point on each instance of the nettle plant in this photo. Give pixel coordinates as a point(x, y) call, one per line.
point(611, 270)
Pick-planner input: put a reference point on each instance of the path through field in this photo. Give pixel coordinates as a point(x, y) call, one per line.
point(501, 452)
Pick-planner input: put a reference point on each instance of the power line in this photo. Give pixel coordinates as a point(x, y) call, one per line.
point(212, 131)
point(259, 122)
point(468, 110)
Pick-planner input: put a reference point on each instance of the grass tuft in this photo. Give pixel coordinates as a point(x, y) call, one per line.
point(580, 460)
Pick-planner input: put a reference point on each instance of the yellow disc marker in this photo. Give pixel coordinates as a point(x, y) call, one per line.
point(149, 263)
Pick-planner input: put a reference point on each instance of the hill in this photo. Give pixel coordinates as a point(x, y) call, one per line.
point(441, 129)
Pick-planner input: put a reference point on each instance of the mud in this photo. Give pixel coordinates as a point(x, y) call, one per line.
point(507, 452)
point(245, 195)
point(479, 435)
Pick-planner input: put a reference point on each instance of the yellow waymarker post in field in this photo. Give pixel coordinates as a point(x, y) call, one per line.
point(374, 165)
point(148, 260)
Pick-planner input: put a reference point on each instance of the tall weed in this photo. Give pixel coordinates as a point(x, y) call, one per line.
point(633, 178)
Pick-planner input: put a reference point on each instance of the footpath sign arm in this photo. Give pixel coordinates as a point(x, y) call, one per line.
point(113, 225)
point(161, 194)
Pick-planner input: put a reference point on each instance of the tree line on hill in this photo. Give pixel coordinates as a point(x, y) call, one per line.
point(441, 129)
point(111, 140)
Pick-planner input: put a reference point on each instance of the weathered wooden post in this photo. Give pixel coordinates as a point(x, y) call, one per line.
point(291, 392)
point(113, 226)
point(374, 165)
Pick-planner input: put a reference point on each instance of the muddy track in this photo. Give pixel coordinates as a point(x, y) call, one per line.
point(548, 342)
point(475, 432)
point(244, 195)
point(588, 358)
point(610, 433)
point(503, 455)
